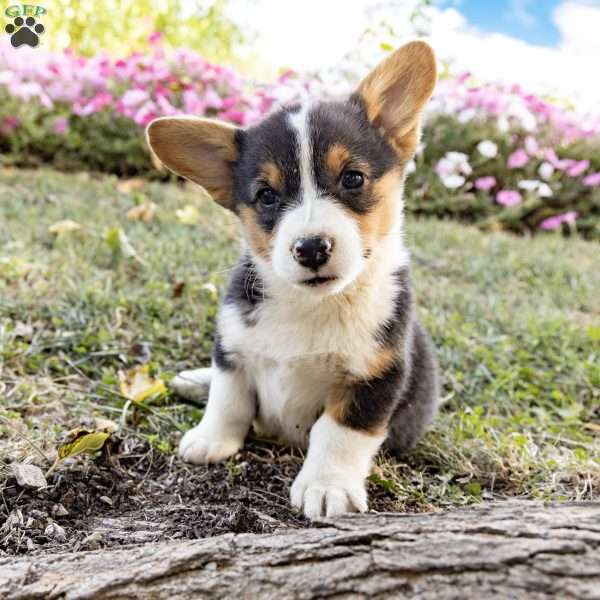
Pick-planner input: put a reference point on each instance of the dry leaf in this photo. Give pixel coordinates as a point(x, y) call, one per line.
point(178, 288)
point(79, 441)
point(188, 215)
point(137, 384)
point(127, 186)
point(23, 330)
point(142, 212)
point(63, 227)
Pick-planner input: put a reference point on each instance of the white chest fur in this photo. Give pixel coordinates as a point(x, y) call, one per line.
point(299, 344)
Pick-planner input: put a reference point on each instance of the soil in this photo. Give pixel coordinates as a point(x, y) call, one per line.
point(134, 494)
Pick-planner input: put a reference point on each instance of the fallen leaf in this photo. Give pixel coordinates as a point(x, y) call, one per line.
point(61, 228)
point(188, 215)
point(120, 245)
point(83, 440)
point(23, 330)
point(212, 290)
point(178, 289)
point(126, 186)
point(137, 384)
point(79, 441)
point(143, 212)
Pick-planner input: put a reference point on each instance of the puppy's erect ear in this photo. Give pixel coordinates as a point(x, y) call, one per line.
point(396, 91)
point(201, 150)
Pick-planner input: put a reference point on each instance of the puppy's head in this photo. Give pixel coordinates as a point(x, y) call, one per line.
point(317, 187)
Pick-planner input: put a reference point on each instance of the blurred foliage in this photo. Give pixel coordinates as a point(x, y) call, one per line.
point(123, 26)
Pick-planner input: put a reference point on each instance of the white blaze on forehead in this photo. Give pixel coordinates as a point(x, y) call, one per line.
point(308, 190)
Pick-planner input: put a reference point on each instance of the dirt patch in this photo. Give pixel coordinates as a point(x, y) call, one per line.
point(135, 495)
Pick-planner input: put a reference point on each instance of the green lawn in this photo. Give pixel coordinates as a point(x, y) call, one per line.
point(516, 322)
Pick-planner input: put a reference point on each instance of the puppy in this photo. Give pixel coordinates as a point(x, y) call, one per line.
point(317, 341)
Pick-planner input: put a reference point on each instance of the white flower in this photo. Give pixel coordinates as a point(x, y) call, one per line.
point(457, 157)
point(503, 124)
point(544, 190)
point(411, 167)
point(529, 185)
point(546, 170)
point(487, 148)
point(453, 181)
point(464, 116)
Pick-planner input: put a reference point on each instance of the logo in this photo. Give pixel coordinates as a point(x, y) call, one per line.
point(24, 28)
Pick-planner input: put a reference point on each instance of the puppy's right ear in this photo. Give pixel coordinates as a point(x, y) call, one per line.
point(202, 150)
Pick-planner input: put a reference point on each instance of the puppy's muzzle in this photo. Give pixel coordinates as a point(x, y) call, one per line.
point(312, 252)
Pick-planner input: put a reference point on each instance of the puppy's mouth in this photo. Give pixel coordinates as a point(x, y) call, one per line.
point(316, 281)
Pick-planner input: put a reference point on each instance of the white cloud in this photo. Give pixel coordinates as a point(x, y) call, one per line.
point(317, 34)
point(564, 71)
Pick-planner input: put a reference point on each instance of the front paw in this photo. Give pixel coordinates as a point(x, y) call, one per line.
point(201, 446)
point(328, 496)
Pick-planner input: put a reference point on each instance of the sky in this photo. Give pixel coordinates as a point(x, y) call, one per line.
point(548, 46)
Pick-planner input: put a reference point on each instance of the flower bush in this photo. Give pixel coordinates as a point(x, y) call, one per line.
point(86, 113)
point(492, 155)
point(506, 159)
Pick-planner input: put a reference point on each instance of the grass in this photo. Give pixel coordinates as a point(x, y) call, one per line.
point(516, 322)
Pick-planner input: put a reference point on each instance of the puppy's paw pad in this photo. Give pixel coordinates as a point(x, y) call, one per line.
point(325, 499)
point(198, 448)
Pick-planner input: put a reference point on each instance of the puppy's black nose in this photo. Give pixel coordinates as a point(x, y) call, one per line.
point(312, 252)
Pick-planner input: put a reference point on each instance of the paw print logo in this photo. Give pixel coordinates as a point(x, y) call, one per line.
point(24, 31)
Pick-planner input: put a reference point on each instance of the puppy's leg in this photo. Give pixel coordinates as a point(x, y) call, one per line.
point(420, 398)
point(229, 412)
point(332, 479)
point(193, 384)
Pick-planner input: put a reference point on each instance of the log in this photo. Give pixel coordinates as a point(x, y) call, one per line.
point(513, 549)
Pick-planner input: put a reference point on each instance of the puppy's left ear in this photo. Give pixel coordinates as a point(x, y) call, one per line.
point(396, 91)
point(202, 150)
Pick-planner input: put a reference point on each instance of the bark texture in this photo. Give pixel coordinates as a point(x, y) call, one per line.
point(508, 550)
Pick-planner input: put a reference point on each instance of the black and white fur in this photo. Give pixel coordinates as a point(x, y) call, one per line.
point(325, 352)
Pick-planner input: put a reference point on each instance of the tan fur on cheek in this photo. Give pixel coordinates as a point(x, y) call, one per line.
point(259, 240)
point(376, 224)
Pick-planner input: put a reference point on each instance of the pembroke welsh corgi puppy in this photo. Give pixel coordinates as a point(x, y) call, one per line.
point(317, 342)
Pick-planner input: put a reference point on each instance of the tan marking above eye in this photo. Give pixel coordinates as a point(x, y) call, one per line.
point(271, 174)
point(336, 158)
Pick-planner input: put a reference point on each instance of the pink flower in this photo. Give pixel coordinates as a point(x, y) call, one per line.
point(578, 168)
point(155, 37)
point(558, 163)
point(508, 197)
point(555, 222)
point(517, 159)
point(9, 124)
point(61, 126)
point(485, 183)
point(134, 98)
point(592, 180)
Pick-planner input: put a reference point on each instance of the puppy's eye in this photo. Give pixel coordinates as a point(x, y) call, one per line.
point(352, 180)
point(267, 197)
